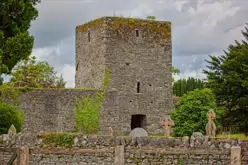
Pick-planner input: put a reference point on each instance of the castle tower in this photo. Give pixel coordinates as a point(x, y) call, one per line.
point(139, 55)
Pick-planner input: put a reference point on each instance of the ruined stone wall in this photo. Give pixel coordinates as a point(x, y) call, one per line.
point(53, 110)
point(106, 150)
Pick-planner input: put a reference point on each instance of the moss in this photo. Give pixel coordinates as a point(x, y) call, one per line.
point(58, 139)
point(124, 27)
point(234, 137)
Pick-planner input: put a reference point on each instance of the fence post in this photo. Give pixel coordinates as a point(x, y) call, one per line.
point(23, 156)
point(119, 155)
point(236, 155)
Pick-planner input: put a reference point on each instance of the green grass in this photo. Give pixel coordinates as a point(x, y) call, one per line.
point(234, 137)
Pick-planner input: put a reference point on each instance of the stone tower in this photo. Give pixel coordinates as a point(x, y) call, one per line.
point(139, 55)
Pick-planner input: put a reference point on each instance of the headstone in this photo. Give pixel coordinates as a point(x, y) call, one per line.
point(138, 132)
point(111, 131)
point(167, 124)
point(211, 127)
point(12, 130)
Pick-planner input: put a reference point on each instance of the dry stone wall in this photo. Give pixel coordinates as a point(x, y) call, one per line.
point(88, 150)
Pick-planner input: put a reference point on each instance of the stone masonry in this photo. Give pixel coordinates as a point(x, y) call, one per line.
point(100, 150)
point(138, 54)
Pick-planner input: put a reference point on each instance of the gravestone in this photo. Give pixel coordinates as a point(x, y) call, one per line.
point(211, 127)
point(138, 132)
point(110, 131)
point(12, 130)
point(167, 124)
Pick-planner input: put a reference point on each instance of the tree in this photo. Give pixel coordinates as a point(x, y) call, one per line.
point(29, 73)
point(175, 72)
point(183, 86)
point(227, 77)
point(15, 42)
point(190, 114)
point(10, 115)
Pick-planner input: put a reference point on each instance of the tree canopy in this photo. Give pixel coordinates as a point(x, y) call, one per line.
point(227, 76)
point(190, 114)
point(15, 42)
point(29, 73)
point(183, 86)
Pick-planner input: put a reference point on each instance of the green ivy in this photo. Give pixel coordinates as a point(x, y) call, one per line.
point(58, 139)
point(88, 109)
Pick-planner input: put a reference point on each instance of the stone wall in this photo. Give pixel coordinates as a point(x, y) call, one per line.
point(53, 110)
point(122, 150)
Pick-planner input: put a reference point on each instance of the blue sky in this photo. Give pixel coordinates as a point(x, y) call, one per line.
point(199, 28)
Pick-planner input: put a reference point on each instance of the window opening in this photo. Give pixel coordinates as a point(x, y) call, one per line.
point(137, 33)
point(138, 87)
point(88, 36)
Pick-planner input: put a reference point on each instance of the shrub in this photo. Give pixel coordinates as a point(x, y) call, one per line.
point(190, 114)
point(10, 115)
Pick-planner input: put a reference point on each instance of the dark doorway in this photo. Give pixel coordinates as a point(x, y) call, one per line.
point(138, 121)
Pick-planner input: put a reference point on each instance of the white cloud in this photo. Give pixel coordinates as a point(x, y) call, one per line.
point(199, 28)
point(68, 73)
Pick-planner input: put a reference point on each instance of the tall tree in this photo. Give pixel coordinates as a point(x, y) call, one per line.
point(183, 86)
point(15, 42)
point(227, 76)
point(29, 73)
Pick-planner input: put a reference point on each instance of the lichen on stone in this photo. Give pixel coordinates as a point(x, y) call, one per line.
point(124, 27)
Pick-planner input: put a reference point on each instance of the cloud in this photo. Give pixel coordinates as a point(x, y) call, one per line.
point(199, 28)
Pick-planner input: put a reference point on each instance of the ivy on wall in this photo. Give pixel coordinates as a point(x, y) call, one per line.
point(87, 111)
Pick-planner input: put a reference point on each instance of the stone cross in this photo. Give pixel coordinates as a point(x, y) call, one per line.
point(111, 131)
point(167, 124)
point(12, 130)
point(211, 127)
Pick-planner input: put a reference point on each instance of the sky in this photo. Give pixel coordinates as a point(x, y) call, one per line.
point(199, 28)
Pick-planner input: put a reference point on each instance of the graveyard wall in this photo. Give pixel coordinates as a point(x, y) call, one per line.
point(122, 150)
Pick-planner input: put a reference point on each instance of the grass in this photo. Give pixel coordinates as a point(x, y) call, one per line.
point(234, 137)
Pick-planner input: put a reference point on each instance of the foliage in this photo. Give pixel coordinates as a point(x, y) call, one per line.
point(124, 27)
point(190, 114)
point(88, 109)
point(151, 17)
point(15, 42)
point(58, 139)
point(234, 137)
point(227, 77)
point(10, 115)
point(29, 73)
point(183, 86)
point(174, 72)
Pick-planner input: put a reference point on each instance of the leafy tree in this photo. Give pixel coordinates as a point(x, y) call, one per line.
point(227, 76)
point(10, 115)
point(190, 114)
point(29, 73)
point(175, 72)
point(183, 86)
point(15, 42)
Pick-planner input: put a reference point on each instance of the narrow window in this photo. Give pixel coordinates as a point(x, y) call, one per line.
point(138, 87)
point(137, 33)
point(88, 36)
